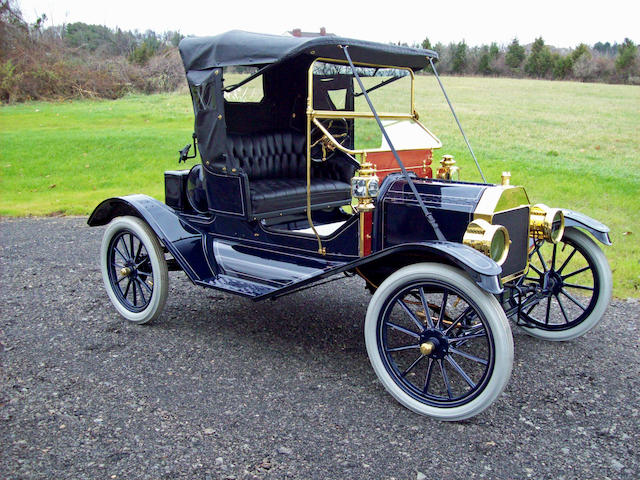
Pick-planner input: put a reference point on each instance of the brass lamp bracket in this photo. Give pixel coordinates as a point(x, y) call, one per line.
point(448, 169)
point(365, 186)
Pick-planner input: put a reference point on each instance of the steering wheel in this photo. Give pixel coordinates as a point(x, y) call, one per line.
point(322, 148)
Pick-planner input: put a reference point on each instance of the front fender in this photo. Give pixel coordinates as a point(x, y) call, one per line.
point(181, 240)
point(483, 270)
point(576, 219)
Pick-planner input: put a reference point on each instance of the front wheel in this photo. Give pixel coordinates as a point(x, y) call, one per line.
point(134, 269)
point(573, 280)
point(438, 343)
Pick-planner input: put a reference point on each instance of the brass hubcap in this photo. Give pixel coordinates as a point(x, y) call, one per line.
point(426, 348)
point(125, 271)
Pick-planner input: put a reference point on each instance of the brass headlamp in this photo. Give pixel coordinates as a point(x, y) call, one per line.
point(492, 240)
point(546, 223)
point(365, 187)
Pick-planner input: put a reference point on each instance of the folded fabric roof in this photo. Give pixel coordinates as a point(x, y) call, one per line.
point(237, 47)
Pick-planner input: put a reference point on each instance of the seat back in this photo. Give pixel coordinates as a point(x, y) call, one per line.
point(270, 155)
point(283, 155)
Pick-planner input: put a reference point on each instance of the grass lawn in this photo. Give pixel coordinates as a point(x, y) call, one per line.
point(572, 145)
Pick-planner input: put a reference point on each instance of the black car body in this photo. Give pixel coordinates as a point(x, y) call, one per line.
point(288, 193)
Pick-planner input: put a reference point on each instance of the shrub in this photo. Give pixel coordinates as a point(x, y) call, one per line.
point(562, 66)
point(584, 68)
point(78, 60)
point(163, 73)
point(9, 81)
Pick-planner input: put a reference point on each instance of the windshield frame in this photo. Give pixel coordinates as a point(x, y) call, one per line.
point(313, 115)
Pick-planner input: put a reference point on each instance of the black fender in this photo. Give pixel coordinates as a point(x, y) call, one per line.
point(482, 269)
point(183, 241)
point(576, 219)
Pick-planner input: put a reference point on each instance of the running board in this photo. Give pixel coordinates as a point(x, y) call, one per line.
point(258, 272)
point(238, 286)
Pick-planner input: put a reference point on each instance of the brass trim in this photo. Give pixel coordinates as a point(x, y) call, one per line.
point(361, 235)
point(313, 115)
point(125, 271)
point(365, 278)
point(513, 276)
point(541, 223)
point(480, 234)
point(426, 348)
point(500, 198)
point(321, 249)
point(418, 167)
point(448, 169)
point(366, 173)
point(355, 114)
point(342, 114)
point(413, 115)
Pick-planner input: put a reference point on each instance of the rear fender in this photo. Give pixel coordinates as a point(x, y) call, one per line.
point(576, 219)
point(483, 270)
point(182, 240)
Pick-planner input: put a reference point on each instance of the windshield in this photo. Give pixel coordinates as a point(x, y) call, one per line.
point(341, 110)
point(388, 88)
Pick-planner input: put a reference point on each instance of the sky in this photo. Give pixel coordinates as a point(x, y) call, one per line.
point(561, 23)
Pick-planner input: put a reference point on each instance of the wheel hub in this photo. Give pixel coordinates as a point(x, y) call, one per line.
point(427, 347)
point(433, 344)
point(553, 282)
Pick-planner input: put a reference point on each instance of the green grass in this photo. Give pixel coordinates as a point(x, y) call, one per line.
point(572, 145)
point(67, 157)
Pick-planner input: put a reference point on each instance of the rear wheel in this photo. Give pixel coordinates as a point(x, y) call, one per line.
point(574, 279)
point(438, 343)
point(134, 269)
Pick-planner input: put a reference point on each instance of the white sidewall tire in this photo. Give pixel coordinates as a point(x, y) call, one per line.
point(603, 271)
point(496, 322)
point(158, 263)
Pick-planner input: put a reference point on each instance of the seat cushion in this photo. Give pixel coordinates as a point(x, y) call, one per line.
point(280, 194)
point(276, 167)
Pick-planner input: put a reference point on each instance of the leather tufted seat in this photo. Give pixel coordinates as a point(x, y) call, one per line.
point(276, 166)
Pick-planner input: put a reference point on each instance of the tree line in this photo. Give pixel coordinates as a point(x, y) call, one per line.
point(602, 62)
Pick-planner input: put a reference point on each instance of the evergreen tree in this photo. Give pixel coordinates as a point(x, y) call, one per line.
point(459, 57)
point(627, 56)
point(561, 66)
point(580, 50)
point(539, 61)
point(494, 51)
point(88, 37)
point(606, 48)
point(142, 53)
point(515, 54)
point(426, 44)
point(484, 64)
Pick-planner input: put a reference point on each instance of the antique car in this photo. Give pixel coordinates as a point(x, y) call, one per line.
point(303, 180)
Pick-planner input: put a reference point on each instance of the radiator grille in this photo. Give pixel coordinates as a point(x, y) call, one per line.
point(516, 222)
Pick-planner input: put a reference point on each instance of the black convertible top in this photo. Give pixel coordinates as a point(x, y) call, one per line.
point(237, 47)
